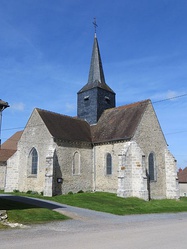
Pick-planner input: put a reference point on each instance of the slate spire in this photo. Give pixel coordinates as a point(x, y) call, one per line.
point(96, 96)
point(96, 76)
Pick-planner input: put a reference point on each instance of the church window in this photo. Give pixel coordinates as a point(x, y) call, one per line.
point(33, 160)
point(152, 175)
point(86, 97)
point(108, 164)
point(76, 163)
point(107, 99)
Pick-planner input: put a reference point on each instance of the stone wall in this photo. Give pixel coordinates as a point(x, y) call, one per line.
point(183, 189)
point(132, 180)
point(82, 179)
point(150, 138)
point(172, 187)
point(34, 136)
point(12, 174)
point(55, 173)
point(102, 181)
point(2, 176)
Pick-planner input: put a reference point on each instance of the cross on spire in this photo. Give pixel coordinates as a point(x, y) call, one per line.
point(95, 24)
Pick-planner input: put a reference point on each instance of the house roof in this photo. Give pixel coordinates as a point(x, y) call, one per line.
point(118, 123)
point(65, 127)
point(182, 175)
point(96, 76)
point(9, 147)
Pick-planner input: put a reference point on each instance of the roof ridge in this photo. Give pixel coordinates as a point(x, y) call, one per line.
point(59, 114)
point(135, 103)
point(128, 105)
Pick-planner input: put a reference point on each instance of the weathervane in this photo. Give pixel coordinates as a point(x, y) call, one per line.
point(95, 24)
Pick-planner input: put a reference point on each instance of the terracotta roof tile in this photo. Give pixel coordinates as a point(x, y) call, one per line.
point(11, 143)
point(182, 176)
point(6, 154)
point(9, 147)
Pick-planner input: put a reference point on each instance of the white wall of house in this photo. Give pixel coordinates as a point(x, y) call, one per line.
point(183, 189)
point(2, 176)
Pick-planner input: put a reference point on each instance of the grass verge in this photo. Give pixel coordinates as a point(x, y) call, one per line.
point(110, 203)
point(28, 214)
point(99, 201)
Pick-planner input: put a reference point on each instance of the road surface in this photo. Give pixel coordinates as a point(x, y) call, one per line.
point(90, 230)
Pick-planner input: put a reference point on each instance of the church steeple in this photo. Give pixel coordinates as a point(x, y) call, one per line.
point(96, 96)
point(96, 76)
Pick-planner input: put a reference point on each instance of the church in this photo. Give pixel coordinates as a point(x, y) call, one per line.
point(120, 149)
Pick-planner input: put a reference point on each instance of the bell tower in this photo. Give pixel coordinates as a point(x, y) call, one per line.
point(96, 96)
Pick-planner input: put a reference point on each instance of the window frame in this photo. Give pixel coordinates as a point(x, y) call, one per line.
point(33, 163)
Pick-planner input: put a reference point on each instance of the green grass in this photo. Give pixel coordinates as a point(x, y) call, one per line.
point(99, 201)
point(110, 203)
point(28, 214)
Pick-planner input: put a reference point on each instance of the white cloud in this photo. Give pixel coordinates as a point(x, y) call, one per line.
point(172, 94)
point(17, 106)
point(166, 95)
point(70, 108)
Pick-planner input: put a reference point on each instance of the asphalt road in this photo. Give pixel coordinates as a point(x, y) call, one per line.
point(90, 230)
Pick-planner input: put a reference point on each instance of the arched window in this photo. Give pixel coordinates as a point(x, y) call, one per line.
point(33, 161)
point(152, 175)
point(76, 164)
point(108, 164)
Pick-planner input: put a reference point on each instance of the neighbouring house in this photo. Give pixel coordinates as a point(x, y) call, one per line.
point(7, 151)
point(182, 178)
point(105, 148)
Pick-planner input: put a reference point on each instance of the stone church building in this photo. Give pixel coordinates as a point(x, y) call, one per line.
point(105, 148)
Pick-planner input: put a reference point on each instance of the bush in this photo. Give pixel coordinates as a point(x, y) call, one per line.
point(16, 191)
point(29, 192)
point(70, 193)
point(80, 191)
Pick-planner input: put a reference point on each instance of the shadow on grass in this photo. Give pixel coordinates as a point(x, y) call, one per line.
point(8, 202)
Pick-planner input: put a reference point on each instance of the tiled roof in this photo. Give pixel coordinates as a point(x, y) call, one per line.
point(65, 127)
point(182, 175)
point(118, 123)
point(6, 154)
point(9, 147)
point(115, 124)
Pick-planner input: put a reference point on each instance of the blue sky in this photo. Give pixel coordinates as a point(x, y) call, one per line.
point(45, 51)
